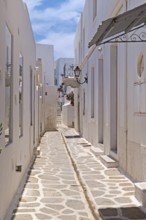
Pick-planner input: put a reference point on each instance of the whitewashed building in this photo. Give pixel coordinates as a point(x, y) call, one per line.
point(111, 109)
point(23, 98)
point(17, 88)
point(63, 67)
point(45, 52)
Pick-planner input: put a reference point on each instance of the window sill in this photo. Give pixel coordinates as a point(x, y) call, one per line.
point(139, 83)
point(140, 114)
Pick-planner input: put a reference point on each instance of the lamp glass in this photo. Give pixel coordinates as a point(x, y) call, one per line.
point(77, 71)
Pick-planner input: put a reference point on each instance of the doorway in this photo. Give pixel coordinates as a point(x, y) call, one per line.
point(100, 102)
point(113, 98)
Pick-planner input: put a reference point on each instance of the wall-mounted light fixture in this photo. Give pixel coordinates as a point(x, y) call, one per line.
point(99, 49)
point(77, 72)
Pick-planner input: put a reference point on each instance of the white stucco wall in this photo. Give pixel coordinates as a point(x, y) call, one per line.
point(116, 123)
point(2, 69)
point(20, 151)
point(50, 108)
point(40, 92)
point(68, 114)
point(136, 143)
point(46, 53)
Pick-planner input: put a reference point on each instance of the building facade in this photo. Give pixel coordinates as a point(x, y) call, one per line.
point(48, 90)
point(45, 52)
point(17, 72)
point(22, 99)
point(63, 67)
point(110, 110)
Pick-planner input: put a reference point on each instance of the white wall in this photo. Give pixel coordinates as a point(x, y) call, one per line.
point(50, 108)
point(40, 91)
point(46, 53)
point(68, 114)
point(123, 127)
point(2, 69)
point(136, 143)
point(20, 151)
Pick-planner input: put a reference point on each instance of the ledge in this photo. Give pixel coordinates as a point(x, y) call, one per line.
point(96, 151)
point(140, 192)
point(37, 151)
point(108, 161)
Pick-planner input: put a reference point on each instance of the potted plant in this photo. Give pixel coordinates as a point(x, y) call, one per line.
point(70, 97)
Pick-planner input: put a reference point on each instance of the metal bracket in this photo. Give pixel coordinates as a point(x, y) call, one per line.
point(136, 35)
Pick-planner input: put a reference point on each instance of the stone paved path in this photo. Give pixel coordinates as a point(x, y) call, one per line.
point(52, 190)
point(67, 182)
point(110, 192)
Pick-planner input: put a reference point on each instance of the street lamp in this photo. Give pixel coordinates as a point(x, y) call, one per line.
point(77, 72)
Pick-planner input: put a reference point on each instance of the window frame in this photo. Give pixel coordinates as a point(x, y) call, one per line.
point(92, 93)
point(9, 64)
point(21, 67)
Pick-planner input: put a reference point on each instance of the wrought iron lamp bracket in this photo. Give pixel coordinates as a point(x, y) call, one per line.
point(85, 80)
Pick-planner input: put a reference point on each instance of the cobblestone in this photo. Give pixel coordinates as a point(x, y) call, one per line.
point(67, 182)
point(110, 192)
point(52, 190)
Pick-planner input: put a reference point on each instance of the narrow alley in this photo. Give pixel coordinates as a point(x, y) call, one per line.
point(73, 110)
point(68, 182)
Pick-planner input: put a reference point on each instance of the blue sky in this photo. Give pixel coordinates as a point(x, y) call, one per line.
point(54, 22)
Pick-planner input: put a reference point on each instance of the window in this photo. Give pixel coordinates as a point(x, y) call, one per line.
point(140, 65)
point(94, 8)
point(83, 43)
point(31, 94)
point(83, 102)
point(8, 87)
point(20, 95)
point(92, 92)
point(33, 110)
point(140, 87)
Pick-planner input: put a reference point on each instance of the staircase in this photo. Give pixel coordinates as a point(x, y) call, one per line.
point(59, 115)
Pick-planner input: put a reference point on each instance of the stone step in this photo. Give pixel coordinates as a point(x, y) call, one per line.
point(108, 161)
point(59, 119)
point(140, 192)
point(97, 151)
point(37, 151)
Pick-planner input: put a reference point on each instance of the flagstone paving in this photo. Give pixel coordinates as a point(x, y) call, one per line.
point(109, 191)
point(67, 182)
point(52, 190)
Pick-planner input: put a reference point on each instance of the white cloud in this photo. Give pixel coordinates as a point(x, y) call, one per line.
point(68, 10)
point(44, 20)
point(63, 44)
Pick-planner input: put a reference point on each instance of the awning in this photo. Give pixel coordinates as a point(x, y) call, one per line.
point(115, 28)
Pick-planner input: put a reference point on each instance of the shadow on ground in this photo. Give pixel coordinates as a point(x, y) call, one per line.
point(129, 213)
point(72, 136)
